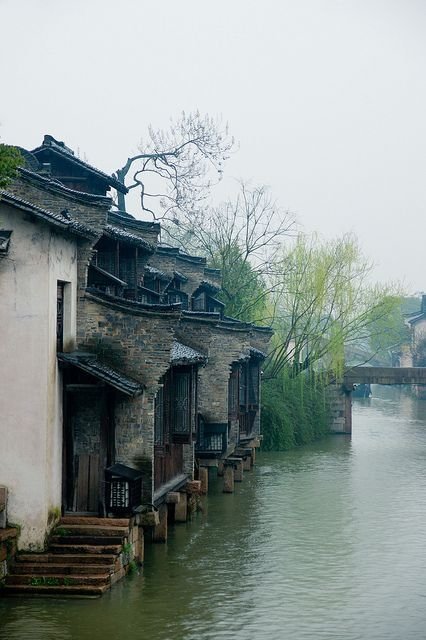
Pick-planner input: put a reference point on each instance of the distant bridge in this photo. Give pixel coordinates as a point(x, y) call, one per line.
point(341, 395)
point(384, 375)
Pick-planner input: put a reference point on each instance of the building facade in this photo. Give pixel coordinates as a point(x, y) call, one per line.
point(121, 374)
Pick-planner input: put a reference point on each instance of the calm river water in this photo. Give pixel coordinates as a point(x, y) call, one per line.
point(328, 541)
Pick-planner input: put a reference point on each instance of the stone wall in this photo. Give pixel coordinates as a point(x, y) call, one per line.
point(192, 270)
point(222, 346)
point(137, 343)
point(89, 210)
point(135, 340)
point(134, 436)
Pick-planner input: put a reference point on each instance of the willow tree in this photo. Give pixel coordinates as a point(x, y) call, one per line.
point(323, 301)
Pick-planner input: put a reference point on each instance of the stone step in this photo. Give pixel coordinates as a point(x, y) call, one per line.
point(68, 558)
point(85, 540)
point(85, 548)
point(82, 591)
point(57, 579)
point(91, 530)
point(22, 568)
point(89, 520)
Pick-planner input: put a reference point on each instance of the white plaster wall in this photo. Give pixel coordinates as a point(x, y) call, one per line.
point(419, 331)
point(30, 385)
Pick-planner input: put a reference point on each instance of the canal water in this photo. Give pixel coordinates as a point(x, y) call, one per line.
point(328, 541)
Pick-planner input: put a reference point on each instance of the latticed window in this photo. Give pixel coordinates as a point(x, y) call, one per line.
point(120, 495)
point(159, 417)
point(253, 383)
point(199, 303)
point(243, 386)
point(60, 316)
point(233, 389)
point(181, 414)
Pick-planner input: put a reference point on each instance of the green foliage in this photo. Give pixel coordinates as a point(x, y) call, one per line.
point(294, 411)
point(42, 581)
point(243, 288)
point(53, 515)
point(388, 332)
point(10, 158)
point(323, 302)
point(132, 567)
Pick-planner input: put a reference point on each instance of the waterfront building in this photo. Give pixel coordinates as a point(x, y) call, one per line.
point(122, 378)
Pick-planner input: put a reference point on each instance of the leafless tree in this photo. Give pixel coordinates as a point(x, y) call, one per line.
point(242, 237)
point(176, 168)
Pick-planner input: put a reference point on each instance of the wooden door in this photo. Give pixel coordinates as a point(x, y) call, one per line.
point(87, 441)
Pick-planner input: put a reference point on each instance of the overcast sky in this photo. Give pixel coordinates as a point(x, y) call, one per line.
point(326, 99)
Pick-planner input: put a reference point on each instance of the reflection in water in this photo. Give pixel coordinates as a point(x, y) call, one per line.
point(327, 541)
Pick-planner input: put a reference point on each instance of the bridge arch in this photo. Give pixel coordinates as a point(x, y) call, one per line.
point(341, 395)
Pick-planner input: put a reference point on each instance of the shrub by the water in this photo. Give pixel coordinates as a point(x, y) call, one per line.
point(294, 412)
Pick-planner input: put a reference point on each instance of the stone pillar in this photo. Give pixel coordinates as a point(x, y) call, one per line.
point(228, 478)
point(204, 477)
point(253, 456)
point(239, 470)
point(139, 545)
point(160, 531)
point(247, 463)
point(181, 508)
point(348, 412)
point(340, 401)
point(220, 468)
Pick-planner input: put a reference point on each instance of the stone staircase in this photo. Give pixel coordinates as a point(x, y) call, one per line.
point(84, 558)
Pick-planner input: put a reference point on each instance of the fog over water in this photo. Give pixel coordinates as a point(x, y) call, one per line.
point(326, 98)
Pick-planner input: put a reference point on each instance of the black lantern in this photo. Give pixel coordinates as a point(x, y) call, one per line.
point(123, 489)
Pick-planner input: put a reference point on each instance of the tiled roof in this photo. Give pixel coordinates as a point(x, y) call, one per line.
point(256, 353)
point(212, 272)
point(211, 287)
point(416, 318)
point(90, 364)
point(52, 184)
point(156, 272)
point(61, 220)
point(182, 354)
point(126, 236)
point(208, 315)
point(175, 251)
point(179, 276)
point(122, 217)
point(131, 305)
point(59, 148)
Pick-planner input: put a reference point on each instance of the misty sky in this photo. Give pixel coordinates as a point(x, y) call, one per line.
point(326, 98)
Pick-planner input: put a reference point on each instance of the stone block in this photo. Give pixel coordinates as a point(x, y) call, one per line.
point(181, 508)
point(173, 497)
point(204, 479)
point(193, 486)
point(160, 531)
point(149, 519)
point(228, 479)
